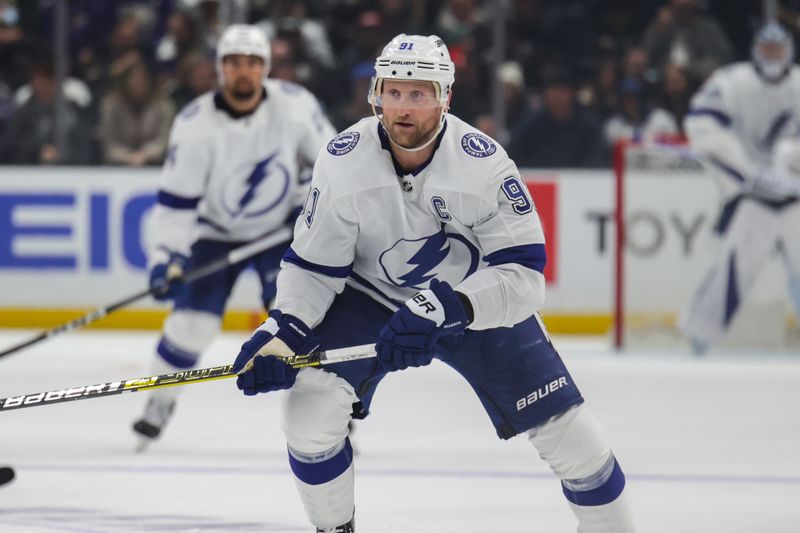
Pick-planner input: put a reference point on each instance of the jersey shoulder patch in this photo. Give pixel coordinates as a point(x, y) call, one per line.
point(343, 143)
point(477, 144)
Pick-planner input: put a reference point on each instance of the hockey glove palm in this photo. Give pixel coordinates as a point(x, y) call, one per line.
point(259, 363)
point(409, 337)
point(166, 279)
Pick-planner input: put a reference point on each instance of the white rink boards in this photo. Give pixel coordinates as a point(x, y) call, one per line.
point(708, 445)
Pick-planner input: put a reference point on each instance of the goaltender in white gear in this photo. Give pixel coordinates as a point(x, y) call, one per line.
point(399, 202)
point(744, 123)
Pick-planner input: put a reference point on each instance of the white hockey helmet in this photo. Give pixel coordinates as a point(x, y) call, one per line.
point(773, 51)
point(414, 58)
point(243, 39)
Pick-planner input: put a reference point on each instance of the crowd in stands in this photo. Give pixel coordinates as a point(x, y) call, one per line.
point(578, 75)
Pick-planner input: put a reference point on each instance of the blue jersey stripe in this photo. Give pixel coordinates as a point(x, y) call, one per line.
point(335, 272)
point(531, 256)
point(721, 117)
point(730, 171)
point(177, 202)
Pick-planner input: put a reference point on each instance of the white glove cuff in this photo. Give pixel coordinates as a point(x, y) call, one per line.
point(425, 304)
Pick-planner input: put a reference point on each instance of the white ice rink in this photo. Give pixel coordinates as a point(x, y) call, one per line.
point(709, 446)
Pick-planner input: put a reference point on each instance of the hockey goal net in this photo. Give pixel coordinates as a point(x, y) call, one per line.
point(666, 206)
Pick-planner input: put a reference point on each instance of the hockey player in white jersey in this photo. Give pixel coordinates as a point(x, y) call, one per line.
point(419, 235)
point(232, 176)
point(743, 122)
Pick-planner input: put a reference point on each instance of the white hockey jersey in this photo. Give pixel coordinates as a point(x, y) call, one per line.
point(735, 121)
point(235, 178)
point(465, 217)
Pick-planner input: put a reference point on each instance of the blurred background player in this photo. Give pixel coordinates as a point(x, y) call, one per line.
point(419, 235)
point(232, 175)
point(742, 122)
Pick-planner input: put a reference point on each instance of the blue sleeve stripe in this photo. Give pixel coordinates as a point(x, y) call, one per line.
point(530, 256)
point(334, 272)
point(177, 202)
point(721, 117)
point(730, 171)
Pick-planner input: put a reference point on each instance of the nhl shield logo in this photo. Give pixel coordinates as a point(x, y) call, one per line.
point(477, 145)
point(344, 142)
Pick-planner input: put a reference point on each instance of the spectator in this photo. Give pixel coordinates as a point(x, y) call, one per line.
point(686, 36)
point(633, 121)
point(31, 137)
point(560, 134)
point(135, 119)
point(182, 38)
point(196, 76)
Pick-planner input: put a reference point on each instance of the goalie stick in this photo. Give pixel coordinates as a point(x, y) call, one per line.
point(86, 392)
point(234, 256)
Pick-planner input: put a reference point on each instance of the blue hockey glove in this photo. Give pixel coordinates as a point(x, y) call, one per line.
point(410, 335)
point(259, 363)
point(166, 279)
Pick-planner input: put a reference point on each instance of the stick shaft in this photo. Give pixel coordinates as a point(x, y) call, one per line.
point(234, 256)
point(113, 388)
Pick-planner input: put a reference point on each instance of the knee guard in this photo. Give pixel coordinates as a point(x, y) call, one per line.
point(186, 334)
point(316, 412)
point(574, 446)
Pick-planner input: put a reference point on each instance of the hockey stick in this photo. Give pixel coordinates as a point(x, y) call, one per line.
point(86, 392)
point(234, 256)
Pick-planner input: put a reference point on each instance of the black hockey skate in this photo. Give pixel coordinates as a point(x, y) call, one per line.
point(156, 415)
point(349, 527)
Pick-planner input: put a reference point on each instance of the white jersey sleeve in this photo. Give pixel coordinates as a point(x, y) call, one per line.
point(511, 238)
point(326, 223)
point(708, 126)
point(318, 132)
point(184, 177)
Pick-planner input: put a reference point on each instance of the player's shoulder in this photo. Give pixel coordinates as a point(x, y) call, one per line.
point(348, 160)
point(472, 158)
point(353, 143)
point(288, 93)
point(196, 118)
point(733, 74)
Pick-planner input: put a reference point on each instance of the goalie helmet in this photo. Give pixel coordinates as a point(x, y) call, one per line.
point(773, 51)
point(414, 58)
point(243, 39)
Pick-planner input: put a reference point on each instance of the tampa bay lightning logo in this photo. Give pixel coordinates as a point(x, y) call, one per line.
point(258, 197)
point(477, 145)
point(344, 142)
point(413, 263)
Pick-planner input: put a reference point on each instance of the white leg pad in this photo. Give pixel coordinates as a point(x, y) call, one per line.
point(572, 443)
point(574, 446)
point(329, 504)
point(315, 415)
point(191, 331)
point(316, 411)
